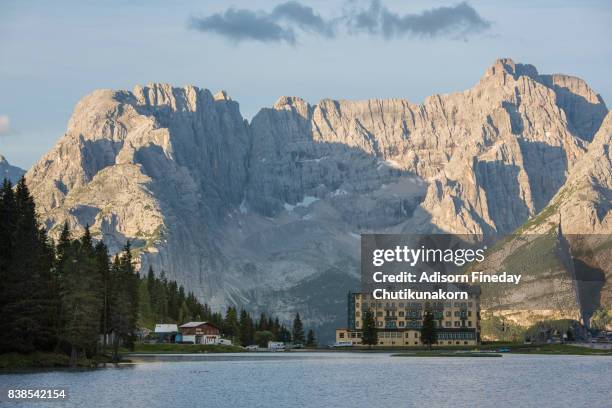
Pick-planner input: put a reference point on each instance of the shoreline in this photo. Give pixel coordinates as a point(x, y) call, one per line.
point(40, 362)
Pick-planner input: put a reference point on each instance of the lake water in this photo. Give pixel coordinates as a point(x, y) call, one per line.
point(334, 380)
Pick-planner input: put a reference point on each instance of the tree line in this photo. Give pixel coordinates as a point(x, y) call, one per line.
point(70, 296)
point(61, 296)
point(163, 301)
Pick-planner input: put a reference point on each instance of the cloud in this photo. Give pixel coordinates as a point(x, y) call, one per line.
point(305, 17)
point(459, 19)
point(5, 125)
point(286, 20)
point(241, 24)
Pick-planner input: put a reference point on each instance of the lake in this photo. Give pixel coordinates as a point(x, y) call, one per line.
point(342, 379)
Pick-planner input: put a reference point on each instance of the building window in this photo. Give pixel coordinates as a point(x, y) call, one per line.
point(457, 323)
point(469, 323)
point(448, 313)
point(356, 324)
point(341, 335)
point(448, 324)
point(401, 314)
point(357, 314)
point(416, 335)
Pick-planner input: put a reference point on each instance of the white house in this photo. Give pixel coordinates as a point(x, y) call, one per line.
point(166, 328)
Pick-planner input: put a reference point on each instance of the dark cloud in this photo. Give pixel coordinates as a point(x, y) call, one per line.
point(460, 19)
point(239, 25)
point(304, 17)
point(280, 24)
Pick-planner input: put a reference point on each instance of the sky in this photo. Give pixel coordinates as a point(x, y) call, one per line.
point(54, 53)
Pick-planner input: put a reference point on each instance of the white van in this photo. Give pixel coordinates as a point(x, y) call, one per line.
point(276, 346)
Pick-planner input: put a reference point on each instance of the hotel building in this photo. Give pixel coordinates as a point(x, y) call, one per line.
point(399, 322)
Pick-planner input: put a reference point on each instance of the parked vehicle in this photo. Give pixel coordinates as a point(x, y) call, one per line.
point(276, 346)
point(342, 344)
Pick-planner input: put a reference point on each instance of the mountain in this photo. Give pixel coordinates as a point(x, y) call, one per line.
point(267, 213)
point(10, 172)
point(577, 280)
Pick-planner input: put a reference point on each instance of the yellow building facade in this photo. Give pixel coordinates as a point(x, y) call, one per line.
point(398, 322)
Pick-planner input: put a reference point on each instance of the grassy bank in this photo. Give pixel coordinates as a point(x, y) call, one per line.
point(446, 354)
point(186, 348)
point(558, 349)
point(40, 360)
point(507, 348)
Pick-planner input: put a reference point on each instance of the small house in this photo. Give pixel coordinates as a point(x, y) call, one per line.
point(166, 333)
point(200, 333)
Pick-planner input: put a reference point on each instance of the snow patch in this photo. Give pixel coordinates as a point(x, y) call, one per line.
point(306, 202)
point(243, 208)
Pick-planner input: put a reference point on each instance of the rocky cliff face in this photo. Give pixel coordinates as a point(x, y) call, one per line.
point(268, 213)
point(9, 172)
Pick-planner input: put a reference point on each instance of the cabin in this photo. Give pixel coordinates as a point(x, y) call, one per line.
point(200, 333)
point(165, 333)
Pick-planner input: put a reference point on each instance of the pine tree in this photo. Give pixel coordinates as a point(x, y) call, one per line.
point(275, 326)
point(230, 323)
point(145, 311)
point(311, 341)
point(7, 279)
point(104, 276)
point(82, 302)
point(370, 335)
point(184, 314)
point(298, 330)
point(26, 289)
point(246, 329)
point(428, 330)
point(124, 300)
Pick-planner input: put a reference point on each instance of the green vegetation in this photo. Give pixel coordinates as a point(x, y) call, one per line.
point(298, 330)
point(370, 335)
point(446, 354)
point(558, 327)
point(57, 300)
point(185, 348)
point(554, 349)
point(428, 330)
point(501, 329)
point(311, 341)
point(10, 362)
point(263, 337)
point(163, 301)
point(601, 319)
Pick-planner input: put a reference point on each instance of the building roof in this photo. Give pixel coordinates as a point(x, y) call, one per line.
point(165, 328)
point(193, 324)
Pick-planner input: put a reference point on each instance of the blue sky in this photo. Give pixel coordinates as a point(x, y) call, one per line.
point(54, 53)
